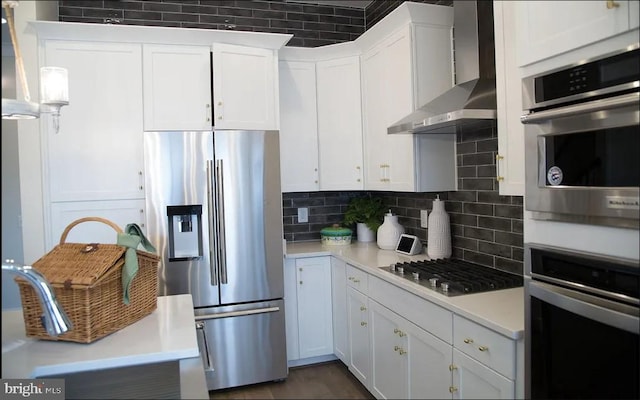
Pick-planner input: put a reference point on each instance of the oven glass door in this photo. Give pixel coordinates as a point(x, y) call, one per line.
point(580, 346)
point(597, 158)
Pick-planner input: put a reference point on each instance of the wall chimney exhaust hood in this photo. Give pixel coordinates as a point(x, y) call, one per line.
point(472, 103)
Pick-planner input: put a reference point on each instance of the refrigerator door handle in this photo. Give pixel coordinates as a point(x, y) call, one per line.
point(203, 345)
point(213, 245)
point(222, 254)
point(237, 313)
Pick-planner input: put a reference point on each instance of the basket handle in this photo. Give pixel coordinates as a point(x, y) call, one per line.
point(63, 237)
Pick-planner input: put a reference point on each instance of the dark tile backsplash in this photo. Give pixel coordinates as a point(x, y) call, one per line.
point(486, 227)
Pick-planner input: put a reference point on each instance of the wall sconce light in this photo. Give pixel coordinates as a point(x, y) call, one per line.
point(54, 84)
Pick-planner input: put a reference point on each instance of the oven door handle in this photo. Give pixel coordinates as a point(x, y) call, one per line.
point(621, 316)
point(630, 99)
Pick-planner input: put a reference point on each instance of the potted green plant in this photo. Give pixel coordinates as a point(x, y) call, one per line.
point(367, 214)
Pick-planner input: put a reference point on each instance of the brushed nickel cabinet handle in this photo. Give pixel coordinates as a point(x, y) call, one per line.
point(483, 348)
point(467, 340)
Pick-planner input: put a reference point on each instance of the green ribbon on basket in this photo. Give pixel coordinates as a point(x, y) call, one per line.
point(131, 238)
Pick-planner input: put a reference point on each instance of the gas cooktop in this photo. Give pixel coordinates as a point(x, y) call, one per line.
point(455, 277)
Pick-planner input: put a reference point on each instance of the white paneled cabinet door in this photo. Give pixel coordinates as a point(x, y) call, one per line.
point(291, 309)
point(388, 97)
point(357, 305)
point(472, 380)
point(97, 155)
point(298, 127)
point(510, 157)
point(548, 28)
point(389, 359)
point(177, 87)
point(340, 124)
point(429, 360)
point(315, 326)
point(340, 314)
point(245, 87)
point(121, 212)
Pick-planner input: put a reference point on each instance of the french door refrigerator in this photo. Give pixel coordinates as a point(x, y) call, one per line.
point(214, 211)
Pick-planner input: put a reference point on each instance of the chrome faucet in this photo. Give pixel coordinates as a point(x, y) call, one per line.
point(54, 319)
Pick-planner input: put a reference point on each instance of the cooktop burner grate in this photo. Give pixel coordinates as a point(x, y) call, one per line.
point(455, 277)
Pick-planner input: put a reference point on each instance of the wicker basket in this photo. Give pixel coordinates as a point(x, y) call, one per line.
point(88, 286)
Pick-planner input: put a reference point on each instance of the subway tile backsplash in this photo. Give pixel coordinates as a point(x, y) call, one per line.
point(486, 227)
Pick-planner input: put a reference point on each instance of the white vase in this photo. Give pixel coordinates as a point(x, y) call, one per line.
point(364, 234)
point(438, 232)
point(389, 232)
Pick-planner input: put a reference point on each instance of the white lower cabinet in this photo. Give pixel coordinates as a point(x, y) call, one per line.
point(340, 313)
point(308, 310)
point(360, 360)
point(407, 361)
point(473, 380)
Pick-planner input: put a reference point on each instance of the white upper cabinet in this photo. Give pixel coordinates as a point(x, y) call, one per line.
point(177, 87)
point(97, 155)
point(388, 96)
point(510, 157)
point(340, 124)
point(245, 87)
point(548, 28)
point(298, 127)
point(408, 67)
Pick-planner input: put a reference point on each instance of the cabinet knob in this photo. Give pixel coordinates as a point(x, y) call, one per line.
point(402, 352)
point(301, 282)
point(220, 103)
point(141, 187)
point(208, 105)
point(363, 323)
point(395, 348)
point(452, 367)
point(300, 269)
point(453, 389)
point(357, 180)
point(402, 334)
point(357, 167)
point(363, 308)
point(219, 116)
point(612, 4)
point(483, 348)
point(351, 278)
point(356, 280)
point(467, 340)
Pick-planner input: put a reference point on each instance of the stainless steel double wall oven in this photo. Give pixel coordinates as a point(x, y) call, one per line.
point(582, 144)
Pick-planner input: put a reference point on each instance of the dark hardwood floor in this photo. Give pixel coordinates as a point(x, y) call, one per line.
point(330, 380)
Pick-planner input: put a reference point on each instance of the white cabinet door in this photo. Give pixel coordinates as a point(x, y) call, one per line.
point(548, 28)
point(472, 380)
point(388, 97)
point(510, 157)
point(315, 326)
point(360, 365)
point(340, 124)
point(389, 359)
point(245, 87)
point(97, 155)
point(177, 87)
point(340, 314)
point(298, 127)
point(121, 212)
point(291, 309)
point(429, 361)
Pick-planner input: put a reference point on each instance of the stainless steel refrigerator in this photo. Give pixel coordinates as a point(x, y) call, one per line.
point(214, 211)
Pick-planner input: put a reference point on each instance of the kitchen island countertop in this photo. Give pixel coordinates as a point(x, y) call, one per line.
point(167, 334)
point(500, 310)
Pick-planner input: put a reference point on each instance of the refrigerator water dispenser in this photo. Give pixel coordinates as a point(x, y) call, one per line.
point(185, 232)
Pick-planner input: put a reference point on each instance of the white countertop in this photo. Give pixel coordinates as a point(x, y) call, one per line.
point(500, 310)
point(167, 334)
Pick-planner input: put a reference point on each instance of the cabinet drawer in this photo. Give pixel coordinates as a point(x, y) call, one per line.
point(428, 316)
point(490, 348)
point(357, 279)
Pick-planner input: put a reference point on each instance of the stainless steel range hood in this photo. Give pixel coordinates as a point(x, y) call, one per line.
point(472, 103)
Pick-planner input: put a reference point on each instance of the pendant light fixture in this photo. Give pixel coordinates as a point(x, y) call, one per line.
point(54, 83)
